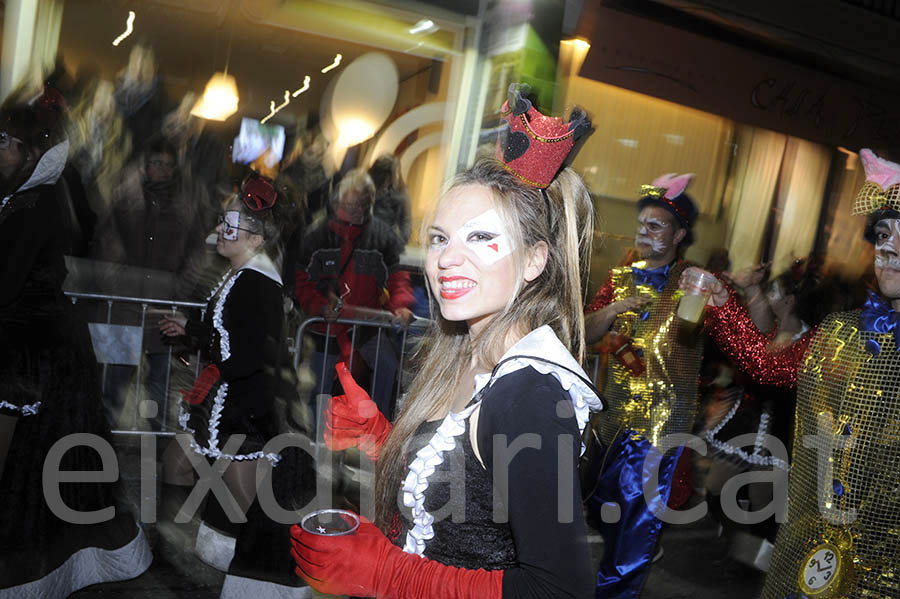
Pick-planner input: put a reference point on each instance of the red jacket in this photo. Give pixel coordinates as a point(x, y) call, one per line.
point(365, 258)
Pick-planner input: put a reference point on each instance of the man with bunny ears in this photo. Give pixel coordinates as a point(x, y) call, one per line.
point(840, 538)
point(651, 385)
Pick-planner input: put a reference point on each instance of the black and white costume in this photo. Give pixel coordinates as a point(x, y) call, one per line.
point(539, 398)
point(242, 335)
point(49, 385)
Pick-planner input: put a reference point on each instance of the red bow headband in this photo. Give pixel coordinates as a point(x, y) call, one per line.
point(258, 194)
point(535, 147)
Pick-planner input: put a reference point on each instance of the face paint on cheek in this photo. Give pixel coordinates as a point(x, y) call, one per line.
point(475, 232)
point(882, 261)
point(887, 252)
point(657, 245)
point(231, 224)
point(645, 225)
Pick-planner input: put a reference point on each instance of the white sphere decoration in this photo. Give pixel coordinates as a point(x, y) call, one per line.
point(360, 99)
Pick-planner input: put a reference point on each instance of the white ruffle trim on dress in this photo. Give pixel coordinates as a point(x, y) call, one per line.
point(213, 450)
point(224, 339)
point(27, 410)
point(757, 458)
point(541, 343)
point(423, 466)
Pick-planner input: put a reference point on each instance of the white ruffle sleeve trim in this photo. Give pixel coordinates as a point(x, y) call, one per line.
point(542, 343)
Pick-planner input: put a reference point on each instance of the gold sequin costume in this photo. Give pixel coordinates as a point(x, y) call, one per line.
point(664, 399)
point(841, 537)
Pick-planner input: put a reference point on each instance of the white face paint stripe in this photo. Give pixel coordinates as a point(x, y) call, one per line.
point(487, 250)
point(231, 224)
point(656, 245)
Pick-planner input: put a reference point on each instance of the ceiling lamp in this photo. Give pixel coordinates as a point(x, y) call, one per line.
point(219, 100)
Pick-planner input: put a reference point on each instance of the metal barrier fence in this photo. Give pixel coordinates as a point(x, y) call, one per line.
point(129, 349)
point(125, 345)
point(357, 319)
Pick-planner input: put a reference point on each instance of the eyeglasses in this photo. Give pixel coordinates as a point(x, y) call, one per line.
point(226, 225)
point(6, 139)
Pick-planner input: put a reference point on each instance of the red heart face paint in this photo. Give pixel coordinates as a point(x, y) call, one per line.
point(231, 225)
point(486, 236)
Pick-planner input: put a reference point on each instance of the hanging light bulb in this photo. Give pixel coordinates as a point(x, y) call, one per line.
point(219, 100)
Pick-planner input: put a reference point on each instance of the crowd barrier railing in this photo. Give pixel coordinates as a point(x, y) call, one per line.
point(122, 345)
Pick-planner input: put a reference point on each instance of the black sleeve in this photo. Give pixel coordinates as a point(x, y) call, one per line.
point(197, 332)
point(23, 236)
point(252, 303)
point(543, 498)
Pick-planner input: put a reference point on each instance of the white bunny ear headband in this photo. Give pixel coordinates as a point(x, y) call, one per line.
point(881, 191)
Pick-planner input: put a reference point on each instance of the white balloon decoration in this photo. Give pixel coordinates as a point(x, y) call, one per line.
point(359, 100)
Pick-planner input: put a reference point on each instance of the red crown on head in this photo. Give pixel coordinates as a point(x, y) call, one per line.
point(257, 193)
point(535, 147)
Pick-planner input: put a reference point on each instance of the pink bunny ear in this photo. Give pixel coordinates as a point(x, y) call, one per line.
point(664, 180)
point(878, 170)
point(677, 185)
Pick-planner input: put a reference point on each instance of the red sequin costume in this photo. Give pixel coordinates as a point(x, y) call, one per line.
point(734, 332)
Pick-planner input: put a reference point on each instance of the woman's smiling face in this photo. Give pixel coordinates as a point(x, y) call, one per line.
point(470, 264)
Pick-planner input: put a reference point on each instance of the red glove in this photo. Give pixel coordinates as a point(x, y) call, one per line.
point(353, 420)
point(366, 564)
point(205, 380)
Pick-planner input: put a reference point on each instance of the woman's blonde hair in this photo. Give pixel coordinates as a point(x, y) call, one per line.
point(562, 217)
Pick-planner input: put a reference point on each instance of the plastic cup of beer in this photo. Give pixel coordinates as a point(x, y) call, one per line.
point(698, 286)
point(330, 522)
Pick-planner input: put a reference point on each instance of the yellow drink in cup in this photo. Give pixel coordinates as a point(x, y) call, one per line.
point(690, 308)
point(698, 286)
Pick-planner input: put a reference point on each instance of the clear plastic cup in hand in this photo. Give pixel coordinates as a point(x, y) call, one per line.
point(698, 287)
point(330, 522)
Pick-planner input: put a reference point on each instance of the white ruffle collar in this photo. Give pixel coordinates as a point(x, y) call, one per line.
point(542, 350)
point(262, 264)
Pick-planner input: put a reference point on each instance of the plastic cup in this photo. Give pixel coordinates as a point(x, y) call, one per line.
point(330, 522)
point(697, 285)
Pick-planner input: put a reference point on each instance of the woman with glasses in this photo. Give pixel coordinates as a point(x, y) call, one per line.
point(50, 405)
point(230, 413)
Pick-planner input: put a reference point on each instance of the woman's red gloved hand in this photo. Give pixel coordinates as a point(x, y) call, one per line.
point(353, 419)
point(367, 564)
point(204, 382)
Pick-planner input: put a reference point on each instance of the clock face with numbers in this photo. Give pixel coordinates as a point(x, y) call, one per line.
point(820, 569)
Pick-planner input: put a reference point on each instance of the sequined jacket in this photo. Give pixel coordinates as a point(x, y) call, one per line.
point(840, 537)
point(664, 399)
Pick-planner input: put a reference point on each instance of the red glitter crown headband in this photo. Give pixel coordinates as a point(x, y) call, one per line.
point(257, 193)
point(535, 147)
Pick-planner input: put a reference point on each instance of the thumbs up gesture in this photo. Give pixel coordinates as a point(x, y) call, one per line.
point(353, 419)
